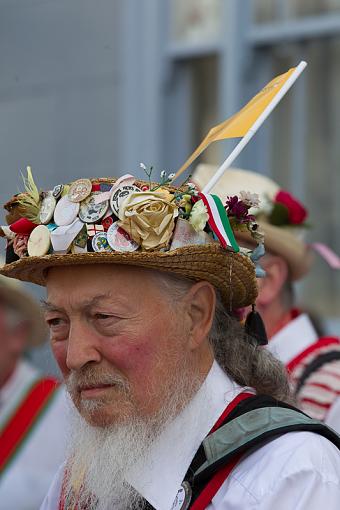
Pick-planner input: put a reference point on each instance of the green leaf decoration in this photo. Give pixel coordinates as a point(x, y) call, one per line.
point(279, 215)
point(29, 202)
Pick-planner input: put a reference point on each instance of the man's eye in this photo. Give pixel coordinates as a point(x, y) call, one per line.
point(102, 316)
point(56, 321)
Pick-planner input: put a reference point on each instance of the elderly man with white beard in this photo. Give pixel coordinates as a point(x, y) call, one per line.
point(175, 406)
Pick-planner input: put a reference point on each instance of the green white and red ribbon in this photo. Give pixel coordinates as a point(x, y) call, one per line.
point(219, 221)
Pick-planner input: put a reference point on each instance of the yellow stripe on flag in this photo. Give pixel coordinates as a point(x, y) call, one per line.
point(240, 123)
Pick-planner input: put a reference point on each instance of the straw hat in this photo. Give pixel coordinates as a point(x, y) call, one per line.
point(284, 240)
point(153, 228)
point(12, 293)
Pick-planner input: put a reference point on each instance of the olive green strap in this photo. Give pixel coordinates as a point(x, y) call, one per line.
point(235, 435)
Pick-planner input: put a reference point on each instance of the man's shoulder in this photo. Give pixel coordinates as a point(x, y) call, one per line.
point(297, 470)
point(287, 455)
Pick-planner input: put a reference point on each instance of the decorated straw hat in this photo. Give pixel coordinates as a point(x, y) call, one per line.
point(128, 221)
point(280, 216)
point(12, 293)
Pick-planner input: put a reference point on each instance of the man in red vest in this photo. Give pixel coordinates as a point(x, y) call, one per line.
point(32, 407)
point(175, 407)
point(312, 360)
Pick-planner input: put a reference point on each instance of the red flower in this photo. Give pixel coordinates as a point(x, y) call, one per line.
point(296, 212)
point(237, 208)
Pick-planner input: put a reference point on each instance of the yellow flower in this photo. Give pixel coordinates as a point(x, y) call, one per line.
point(149, 218)
point(199, 216)
point(165, 194)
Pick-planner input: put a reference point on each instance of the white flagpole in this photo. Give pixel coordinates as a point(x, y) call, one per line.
point(259, 121)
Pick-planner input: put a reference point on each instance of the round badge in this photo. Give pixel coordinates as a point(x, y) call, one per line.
point(107, 222)
point(57, 190)
point(100, 243)
point(65, 212)
point(79, 190)
point(119, 195)
point(90, 212)
point(183, 497)
point(47, 208)
point(39, 241)
point(119, 240)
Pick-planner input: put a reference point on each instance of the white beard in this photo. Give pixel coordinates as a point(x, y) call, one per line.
point(107, 454)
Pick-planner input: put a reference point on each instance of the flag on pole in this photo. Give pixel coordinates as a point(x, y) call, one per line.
point(239, 124)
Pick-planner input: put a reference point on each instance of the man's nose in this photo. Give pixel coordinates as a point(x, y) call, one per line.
point(82, 347)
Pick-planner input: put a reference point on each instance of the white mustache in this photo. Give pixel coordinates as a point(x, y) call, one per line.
point(90, 378)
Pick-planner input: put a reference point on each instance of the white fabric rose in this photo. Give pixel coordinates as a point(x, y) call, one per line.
point(199, 216)
point(149, 218)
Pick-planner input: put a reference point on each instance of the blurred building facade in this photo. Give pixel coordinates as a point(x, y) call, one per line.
point(92, 88)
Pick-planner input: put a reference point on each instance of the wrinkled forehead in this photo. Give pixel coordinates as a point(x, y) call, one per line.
point(94, 271)
point(83, 282)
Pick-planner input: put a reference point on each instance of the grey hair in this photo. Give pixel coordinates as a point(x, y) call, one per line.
point(238, 354)
point(243, 360)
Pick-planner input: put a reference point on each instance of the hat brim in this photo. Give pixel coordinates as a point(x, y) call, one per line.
point(29, 310)
point(231, 273)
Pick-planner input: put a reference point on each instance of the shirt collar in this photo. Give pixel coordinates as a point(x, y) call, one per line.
point(159, 477)
point(293, 339)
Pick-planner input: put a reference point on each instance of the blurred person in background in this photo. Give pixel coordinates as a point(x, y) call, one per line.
point(32, 407)
point(313, 361)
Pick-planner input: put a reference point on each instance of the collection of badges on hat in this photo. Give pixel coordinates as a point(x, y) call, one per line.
point(123, 215)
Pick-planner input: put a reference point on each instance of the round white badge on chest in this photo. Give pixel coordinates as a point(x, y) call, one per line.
point(183, 497)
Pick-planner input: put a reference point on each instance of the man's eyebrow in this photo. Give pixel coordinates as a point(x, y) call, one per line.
point(95, 300)
point(50, 307)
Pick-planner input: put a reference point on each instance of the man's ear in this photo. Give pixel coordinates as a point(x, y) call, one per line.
point(271, 285)
point(200, 304)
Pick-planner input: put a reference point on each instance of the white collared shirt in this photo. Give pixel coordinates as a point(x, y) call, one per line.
point(24, 483)
point(287, 344)
point(297, 471)
point(292, 339)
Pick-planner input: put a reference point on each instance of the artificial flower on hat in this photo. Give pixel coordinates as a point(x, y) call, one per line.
point(149, 218)
point(287, 210)
point(199, 216)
